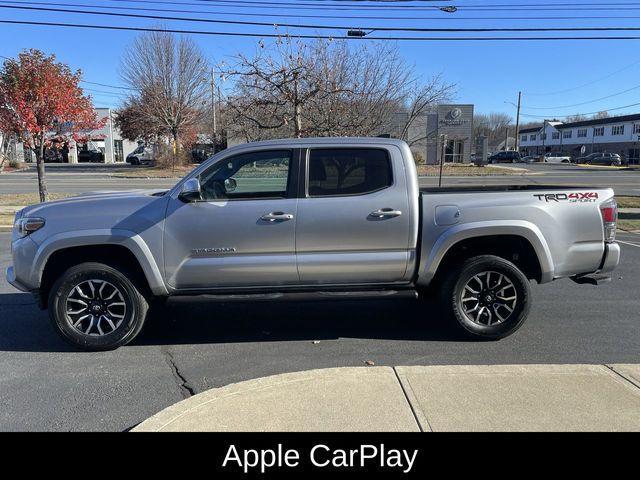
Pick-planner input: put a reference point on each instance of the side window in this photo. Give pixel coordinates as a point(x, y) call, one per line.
point(348, 171)
point(263, 174)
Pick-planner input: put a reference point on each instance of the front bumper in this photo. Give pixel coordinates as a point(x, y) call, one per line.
point(11, 278)
point(611, 258)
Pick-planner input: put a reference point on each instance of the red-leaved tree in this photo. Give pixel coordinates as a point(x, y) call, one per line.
point(41, 100)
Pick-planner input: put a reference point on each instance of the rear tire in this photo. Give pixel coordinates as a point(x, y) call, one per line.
point(96, 307)
point(487, 296)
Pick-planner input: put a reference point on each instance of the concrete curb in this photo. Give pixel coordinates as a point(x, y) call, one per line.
point(336, 399)
point(432, 398)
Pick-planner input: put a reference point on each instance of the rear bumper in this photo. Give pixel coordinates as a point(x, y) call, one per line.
point(11, 278)
point(611, 258)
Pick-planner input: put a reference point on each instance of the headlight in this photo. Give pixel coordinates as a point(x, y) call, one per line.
point(25, 226)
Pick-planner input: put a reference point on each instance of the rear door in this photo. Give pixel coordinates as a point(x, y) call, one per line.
point(353, 218)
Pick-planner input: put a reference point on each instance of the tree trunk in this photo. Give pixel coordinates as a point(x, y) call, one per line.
point(4, 147)
point(175, 147)
point(42, 183)
point(297, 109)
point(298, 121)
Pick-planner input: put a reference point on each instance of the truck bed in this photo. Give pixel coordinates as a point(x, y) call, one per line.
point(503, 188)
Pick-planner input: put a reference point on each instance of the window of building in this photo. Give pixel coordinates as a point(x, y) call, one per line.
point(598, 132)
point(617, 130)
point(582, 133)
point(532, 137)
point(348, 171)
point(262, 174)
point(118, 151)
point(636, 128)
point(555, 135)
point(567, 134)
point(524, 137)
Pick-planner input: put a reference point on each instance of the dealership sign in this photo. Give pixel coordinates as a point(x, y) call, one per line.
point(454, 117)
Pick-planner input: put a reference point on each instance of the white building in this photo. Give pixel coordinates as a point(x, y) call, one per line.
point(106, 140)
point(619, 135)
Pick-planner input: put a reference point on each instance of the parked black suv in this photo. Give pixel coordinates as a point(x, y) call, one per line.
point(93, 155)
point(505, 157)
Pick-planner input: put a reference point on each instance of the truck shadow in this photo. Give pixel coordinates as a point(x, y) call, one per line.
point(25, 328)
point(214, 322)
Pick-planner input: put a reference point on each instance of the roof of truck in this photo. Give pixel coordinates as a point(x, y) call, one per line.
point(325, 141)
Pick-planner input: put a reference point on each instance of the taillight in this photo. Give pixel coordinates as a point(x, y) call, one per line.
point(609, 212)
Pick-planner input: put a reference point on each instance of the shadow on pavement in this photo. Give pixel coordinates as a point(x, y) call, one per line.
point(214, 322)
point(24, 327)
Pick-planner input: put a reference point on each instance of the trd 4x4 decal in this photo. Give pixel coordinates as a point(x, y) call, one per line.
point(582, 197)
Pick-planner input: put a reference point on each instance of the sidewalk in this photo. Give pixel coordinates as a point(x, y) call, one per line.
point(435, 398)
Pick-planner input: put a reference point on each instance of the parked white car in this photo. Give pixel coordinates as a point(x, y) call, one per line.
point(556, 157)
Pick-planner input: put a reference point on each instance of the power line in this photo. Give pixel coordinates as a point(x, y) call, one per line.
point(106, 85)
point(90, 83)
point(326, 27)
point(585, 84)
point(406, 8)
point(585, 114)
point(103, 92)
point(585, 103)
point(297, 15)
point(301, 36)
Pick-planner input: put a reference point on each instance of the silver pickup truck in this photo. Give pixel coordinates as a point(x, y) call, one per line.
point(321, 215)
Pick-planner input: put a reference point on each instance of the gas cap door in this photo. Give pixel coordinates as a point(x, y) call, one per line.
point(447, 215)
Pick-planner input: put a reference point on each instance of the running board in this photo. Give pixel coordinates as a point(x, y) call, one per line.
point(315, 295)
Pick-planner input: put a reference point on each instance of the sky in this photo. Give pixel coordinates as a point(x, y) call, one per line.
point(554, 76)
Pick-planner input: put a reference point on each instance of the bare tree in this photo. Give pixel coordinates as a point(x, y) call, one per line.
point(420, 101)
point(325, 88)
point(169, 77)
point(576, 118)
point(493, 126)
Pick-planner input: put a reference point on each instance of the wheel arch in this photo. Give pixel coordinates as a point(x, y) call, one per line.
point(116, 249)
point(521, 243)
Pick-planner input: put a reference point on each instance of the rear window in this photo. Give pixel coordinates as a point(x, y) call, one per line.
point(348, 171)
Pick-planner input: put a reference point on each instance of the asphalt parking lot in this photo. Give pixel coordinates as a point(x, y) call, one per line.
point(46, 385)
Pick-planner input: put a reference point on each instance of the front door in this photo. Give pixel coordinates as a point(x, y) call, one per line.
point(353, 220)
point(242, 232)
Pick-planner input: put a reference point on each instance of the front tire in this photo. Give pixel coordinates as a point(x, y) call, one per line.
point(96, 307)
point(487, 296)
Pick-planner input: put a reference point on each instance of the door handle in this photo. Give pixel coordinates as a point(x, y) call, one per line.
point(385, 213)
point(276, 217)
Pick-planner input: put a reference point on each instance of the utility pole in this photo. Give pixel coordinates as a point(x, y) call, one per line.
point(518, 123)
point(213, 104)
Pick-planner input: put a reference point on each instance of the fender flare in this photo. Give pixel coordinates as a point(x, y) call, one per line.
point(82, 238)
point(431, 260)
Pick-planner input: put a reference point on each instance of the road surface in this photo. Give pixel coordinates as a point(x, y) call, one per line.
point(46, 385)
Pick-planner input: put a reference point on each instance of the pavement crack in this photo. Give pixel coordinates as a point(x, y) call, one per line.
point(413, 410)
point(630, 382)
point(186, 390)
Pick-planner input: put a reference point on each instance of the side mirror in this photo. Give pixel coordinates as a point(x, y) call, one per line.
point(230, 184)
point(190, 191)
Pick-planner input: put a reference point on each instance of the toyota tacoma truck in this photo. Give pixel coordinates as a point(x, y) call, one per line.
point(327, 216)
